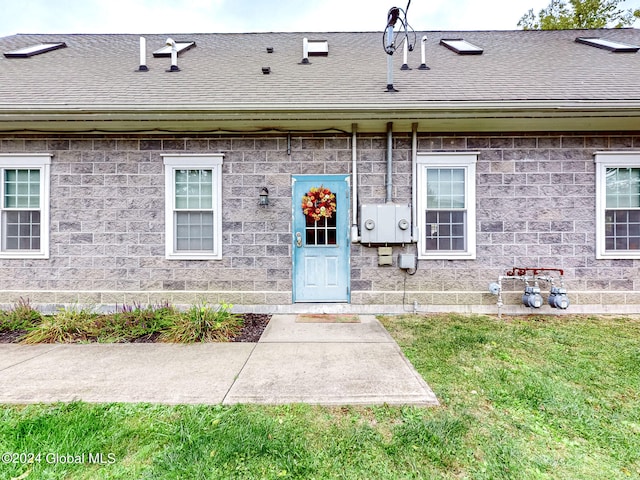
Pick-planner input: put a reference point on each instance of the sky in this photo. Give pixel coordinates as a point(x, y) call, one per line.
point(214, 16)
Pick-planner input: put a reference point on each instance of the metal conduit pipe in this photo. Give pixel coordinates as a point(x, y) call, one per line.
point(414, 182)
point(389, 196)
point(354, 179)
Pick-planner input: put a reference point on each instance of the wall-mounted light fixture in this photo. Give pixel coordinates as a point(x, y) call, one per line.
point(264, 197)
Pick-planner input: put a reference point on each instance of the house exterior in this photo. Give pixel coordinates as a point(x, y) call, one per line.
point(130, 176)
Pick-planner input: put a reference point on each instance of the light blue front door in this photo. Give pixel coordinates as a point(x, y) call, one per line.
point(321, 245)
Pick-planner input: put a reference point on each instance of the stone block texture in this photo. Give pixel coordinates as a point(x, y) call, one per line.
point(535, 208)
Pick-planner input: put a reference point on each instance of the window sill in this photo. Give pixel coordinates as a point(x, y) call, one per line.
point(447, 256)
point(630, 255)
point(24, 256)
point(192, 256)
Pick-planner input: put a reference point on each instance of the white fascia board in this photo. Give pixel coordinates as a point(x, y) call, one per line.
point(586, 105)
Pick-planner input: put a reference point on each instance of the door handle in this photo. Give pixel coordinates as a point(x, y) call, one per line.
point(298, 239)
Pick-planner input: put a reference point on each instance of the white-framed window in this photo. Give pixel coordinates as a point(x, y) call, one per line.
point(24, 205)
point(446, 202)
point(193, 206)
point(617, 204)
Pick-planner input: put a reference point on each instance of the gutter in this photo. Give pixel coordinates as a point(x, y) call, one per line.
point(410, 105)
point(426, 106)
point(509, 116)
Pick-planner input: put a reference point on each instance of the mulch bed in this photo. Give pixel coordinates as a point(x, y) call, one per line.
point(253, 326)
point(12, 336)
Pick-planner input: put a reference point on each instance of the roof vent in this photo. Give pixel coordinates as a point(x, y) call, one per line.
point(35, 50)
point(269, 49)
point(266, 70)
point(171, 44)
point(612, 46)
point(405, 57)
point(305, 52)
point(423, 44)
point(460, 46)
point(143, 55)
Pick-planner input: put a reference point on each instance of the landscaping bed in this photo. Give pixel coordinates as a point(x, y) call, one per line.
point(131, 324)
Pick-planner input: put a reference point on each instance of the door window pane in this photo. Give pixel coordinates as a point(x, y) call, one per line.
point(322, 232)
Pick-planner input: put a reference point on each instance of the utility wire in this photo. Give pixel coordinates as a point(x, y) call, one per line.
point(404, 34)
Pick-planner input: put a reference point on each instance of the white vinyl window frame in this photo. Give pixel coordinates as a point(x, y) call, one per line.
point(444, 161)
point(174, 163)
point(21, 162)
point(605, 161)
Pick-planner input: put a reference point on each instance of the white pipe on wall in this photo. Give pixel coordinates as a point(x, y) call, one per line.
point(389, 197)
point(354, 182)
point(414, 182)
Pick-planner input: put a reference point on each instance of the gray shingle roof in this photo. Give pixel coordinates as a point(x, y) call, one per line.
point(223, 73)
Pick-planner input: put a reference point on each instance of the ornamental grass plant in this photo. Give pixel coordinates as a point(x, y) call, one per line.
point(204, 323)
point(129, 323)
point(68, 325)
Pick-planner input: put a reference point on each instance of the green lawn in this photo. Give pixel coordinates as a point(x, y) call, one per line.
point(540, 397)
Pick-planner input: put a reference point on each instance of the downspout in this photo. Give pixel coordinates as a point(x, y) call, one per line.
point(354, 180)
point(414, 181)
point(389, 197)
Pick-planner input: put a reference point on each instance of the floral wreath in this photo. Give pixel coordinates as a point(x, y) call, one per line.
point(319, 202)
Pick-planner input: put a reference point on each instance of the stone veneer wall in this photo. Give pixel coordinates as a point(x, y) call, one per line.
point(535, 208)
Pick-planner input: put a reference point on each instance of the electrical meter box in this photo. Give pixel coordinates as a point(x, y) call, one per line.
point(386, 223)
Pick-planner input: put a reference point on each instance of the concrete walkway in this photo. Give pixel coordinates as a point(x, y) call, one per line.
point(317, 363)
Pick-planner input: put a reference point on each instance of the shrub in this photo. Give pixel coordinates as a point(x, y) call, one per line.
point(204, 323)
